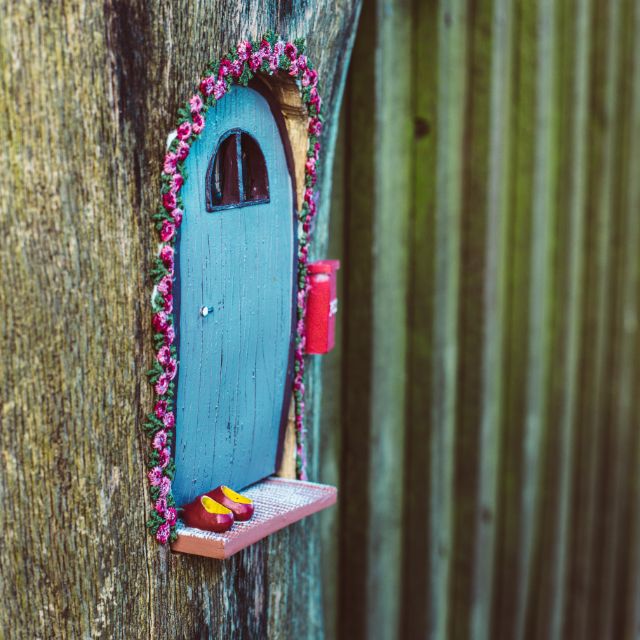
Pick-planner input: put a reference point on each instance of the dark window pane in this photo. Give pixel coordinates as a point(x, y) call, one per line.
point(254, 170)
point(224, 181)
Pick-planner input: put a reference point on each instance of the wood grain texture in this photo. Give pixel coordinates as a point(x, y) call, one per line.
point(88, 93)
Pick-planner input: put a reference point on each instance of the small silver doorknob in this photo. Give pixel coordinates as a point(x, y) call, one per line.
point(205, 311)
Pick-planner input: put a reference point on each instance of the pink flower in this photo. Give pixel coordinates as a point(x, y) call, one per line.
point(176, 214)
point(273, 63)
point(169, 420)
point(225, 68)
point(255, 61)
point(162, 386)
point(166, 255)
point(155, 476)
point(167, 230)
point(183, 150)
point(310, 77)
point(219, 89)
point(164, 355)
point(165, 286)
point(164, 455)
point(314, 99)
point(236, 68)
point(206, 86)
point(161, 505)
point(265, 47)
point(169, 200)
point(308, 195)
point(198, 123)
point(171, 515)
point(184, 131)
point(160, 408)
point(195, 103)
point(310, 165)
point(279, 47)
point(170, 163)
point(163, 534)
point(315, 126)
point(160, 321)
point(176, 182)
point(290, 50)
point(171, 368)
point(165, 487)
point(169, 335)
point(160, 440)
point(168, 303)
point(244, 50)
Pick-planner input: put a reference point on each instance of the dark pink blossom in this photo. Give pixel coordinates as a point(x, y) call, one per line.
point(169, 420)
point(225, 68)
point(155, 476)
point(315, 126)
point(219, 89)
point(290, 50)
point(176, 182)
point(164, 355)
point(183, 150)
point(160, 440)
point(310, 78)
point(265, 47)
point(167, 230)
point(244, 50)
point(164, 533)
point(165, 487)
point(171, 368)
point(207, 84)
point(166, 255)
point(273, 63)
point(169, 200)
point(176, 214)
point(169, 335)
point(160, 321)
point(160, 408)
point(279, 47)
point(184, 131)
point(164, 456)
point(161, 505)
point(168, 303)
point(255, 61)
point(308, 194)
point(165, 286)
point(170, 163)
point(198, 123)
point(236, 69)
point(171, 515)
point(195, 103)
point(162, 386)
point(310, 165)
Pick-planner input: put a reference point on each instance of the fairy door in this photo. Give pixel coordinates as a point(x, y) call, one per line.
point(235, 301)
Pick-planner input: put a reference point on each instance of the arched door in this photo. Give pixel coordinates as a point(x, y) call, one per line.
point(235, 299)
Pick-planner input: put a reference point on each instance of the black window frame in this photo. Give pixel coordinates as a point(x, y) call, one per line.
point(210, 175)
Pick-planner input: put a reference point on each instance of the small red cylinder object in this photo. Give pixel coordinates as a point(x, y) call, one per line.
point(322, 306)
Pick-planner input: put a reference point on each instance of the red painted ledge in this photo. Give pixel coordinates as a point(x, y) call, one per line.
point(278, 502)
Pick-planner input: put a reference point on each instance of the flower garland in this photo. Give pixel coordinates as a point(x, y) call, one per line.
point(269, 55)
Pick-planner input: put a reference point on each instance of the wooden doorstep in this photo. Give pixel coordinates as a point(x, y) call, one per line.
point(278, 502)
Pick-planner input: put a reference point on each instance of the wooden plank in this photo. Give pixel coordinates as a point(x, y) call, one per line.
point(497, 213)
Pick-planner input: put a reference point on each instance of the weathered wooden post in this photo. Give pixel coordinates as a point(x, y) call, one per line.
point(88, 93)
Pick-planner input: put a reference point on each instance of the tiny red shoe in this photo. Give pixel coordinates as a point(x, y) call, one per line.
point(241, 506)
point(207, 514)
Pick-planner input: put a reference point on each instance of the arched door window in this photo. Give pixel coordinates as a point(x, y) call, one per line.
point(237, 174)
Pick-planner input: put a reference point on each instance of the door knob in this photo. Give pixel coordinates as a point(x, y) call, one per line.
point(205, 311)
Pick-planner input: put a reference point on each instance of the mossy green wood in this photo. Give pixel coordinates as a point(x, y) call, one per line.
point(238, 263)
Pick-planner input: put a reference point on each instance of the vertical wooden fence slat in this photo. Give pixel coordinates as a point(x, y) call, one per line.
point(494, 319)
point(452, 25)
point(571, 242)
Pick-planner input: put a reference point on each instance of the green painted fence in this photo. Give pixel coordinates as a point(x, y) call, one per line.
point(481, 413)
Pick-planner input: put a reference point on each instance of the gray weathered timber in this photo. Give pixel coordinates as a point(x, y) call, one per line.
point(88, 93)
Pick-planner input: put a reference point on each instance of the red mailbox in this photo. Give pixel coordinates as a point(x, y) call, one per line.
point(322, 306)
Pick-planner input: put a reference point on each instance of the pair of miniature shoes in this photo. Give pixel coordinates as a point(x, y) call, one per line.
point(217, 510)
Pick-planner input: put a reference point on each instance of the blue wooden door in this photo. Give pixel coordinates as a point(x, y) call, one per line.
point(235, 299)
